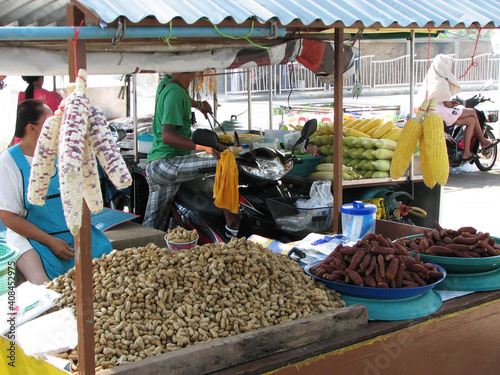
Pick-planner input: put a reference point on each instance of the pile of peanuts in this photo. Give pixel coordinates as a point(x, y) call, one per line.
point(181, 235)
point(149, 300)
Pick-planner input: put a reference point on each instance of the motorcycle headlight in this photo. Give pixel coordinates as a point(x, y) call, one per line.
point(269, 169)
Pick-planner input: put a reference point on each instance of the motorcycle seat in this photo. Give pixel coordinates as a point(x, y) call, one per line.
point(197, 195)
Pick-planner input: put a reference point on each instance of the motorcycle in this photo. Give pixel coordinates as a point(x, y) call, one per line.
point(455, 136)
point(260, 177)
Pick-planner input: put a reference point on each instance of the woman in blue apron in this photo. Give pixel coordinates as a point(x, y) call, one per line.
point(40, 232)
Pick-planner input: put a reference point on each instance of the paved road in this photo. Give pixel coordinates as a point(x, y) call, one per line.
point(471, 197)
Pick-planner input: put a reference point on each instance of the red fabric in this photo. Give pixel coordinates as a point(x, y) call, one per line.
point(312, 54)
point(51, 98)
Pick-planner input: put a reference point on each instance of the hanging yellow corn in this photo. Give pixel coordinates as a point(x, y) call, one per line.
point(435, 144)
point(425, 169)
point(407, 143)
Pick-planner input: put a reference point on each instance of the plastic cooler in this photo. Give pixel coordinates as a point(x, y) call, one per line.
point(7, 254)
point(307, 167)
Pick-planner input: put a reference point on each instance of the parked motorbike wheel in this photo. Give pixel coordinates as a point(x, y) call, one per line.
point(487, 158)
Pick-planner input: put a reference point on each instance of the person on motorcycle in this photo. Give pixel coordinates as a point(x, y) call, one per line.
point(171, 160)
point(441, 84)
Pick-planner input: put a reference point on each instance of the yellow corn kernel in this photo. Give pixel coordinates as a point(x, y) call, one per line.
point(407, 143)
point(429, 179)
point(383, 129)
point(435, 144)
point(370, 125)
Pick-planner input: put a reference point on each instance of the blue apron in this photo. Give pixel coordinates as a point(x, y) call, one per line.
point(50, 218)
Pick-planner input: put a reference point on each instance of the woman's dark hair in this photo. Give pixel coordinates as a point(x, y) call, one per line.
point(30, 90)
point(28, 112)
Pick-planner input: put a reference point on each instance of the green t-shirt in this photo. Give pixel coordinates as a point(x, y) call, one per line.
point(173, 107)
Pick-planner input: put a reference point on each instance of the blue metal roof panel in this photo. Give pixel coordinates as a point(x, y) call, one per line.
point(369, 13)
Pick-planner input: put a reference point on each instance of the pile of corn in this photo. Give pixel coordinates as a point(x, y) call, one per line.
point(371, 128)
point(76, 134)
point(324, 171)
point(150, 300)
point(427, 128)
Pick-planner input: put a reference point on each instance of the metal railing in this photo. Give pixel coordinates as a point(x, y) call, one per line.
point(373, 74)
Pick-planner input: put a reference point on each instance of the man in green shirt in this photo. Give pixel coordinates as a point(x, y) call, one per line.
point(171, 161)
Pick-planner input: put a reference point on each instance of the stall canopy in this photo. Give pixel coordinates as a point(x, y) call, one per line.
point(270, 23)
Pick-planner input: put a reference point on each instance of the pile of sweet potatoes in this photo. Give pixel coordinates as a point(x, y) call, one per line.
point(377, 262)
point(466, 242)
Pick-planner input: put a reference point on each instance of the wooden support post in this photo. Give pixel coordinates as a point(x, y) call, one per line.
point(338, 119)
point(83, 239)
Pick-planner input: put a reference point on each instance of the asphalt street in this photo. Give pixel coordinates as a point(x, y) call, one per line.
point(470, 198)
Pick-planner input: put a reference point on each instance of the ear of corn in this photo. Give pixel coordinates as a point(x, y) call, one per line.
point(354, 133)
point(393, 134)
point(407, 143)
point(352, 123)
point(106, 150)
point(360, 124)
point(429, 179)
point(71, 142)
point(91, 183)
point(374, 123)
point(435, 145)
point(44, 158)
point(383, 129)
point(348, 121)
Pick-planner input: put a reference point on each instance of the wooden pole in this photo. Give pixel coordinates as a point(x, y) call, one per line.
point(83, 239)
point(338, 118)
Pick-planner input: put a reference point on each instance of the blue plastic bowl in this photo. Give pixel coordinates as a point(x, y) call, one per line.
point(375, 293)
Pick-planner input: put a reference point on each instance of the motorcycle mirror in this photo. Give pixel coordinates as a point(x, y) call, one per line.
point(205, 137)
point(308, 129)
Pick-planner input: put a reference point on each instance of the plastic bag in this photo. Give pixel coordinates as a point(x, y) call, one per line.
point(320, 196)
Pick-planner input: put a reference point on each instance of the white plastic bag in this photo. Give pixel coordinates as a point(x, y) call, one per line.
point(320, 196)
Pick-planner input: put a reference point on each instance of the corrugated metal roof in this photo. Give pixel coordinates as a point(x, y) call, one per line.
point(362, 13)
point(404, 13)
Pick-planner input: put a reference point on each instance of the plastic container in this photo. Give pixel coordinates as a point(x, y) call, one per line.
point(7, 254)
point(174, 246)
point(358, 219)
point(144, 143)
point(245, 148)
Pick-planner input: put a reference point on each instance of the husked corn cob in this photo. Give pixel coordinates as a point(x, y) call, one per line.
point(74, 127)
point(435, 144)
point(429, 179)
point(353, 123)
point(355, 133)
point(407, 143)
point(91, 183)
point(383, 129)
point(374, 123)
point(44, 159)
point(360, 124)
point(393, 134)
point(348, 121)
point(107, 151)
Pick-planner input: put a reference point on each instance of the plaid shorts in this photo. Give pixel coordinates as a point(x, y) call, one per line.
point(164, 177)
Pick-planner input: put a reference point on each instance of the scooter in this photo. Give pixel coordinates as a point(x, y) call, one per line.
point(455, 136)
point(260, 177)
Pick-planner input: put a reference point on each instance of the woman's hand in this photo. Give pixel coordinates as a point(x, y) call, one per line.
point(61, 248)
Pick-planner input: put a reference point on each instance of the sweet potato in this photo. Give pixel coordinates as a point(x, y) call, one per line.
point(371, 267)
point(418, 279)
point(348, 250)
point(333, 254)
point(489, 249)
point(399, 276)
point(418, 268)
point(381, 265)
point(465, 240)
point(410, 284)
point(384, 250)
point(441, 250)
point(470, 230)
point(369, 281)
point(382, 241)
point(355, 277)
point(435, 275)
point(392, 269)
point(366, 261)
point(459, 247)
point(356, 259)
point(423, 244)
point(482, 236)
